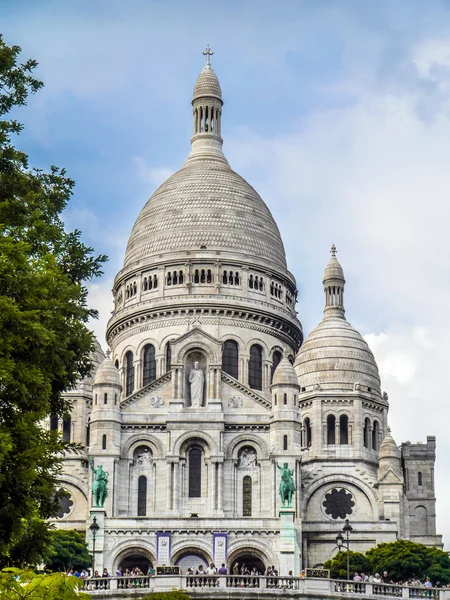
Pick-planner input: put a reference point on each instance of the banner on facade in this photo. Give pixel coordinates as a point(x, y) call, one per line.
point(220, 549)
point(163, 548)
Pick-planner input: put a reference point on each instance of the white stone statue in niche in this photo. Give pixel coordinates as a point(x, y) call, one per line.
point(196, 380)
point(143, 460)
point(247, 459)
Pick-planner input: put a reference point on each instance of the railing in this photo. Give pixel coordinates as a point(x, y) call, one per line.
point(98, 586)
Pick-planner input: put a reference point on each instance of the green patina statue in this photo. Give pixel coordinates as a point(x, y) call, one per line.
point(100, 485)
point(287, 485)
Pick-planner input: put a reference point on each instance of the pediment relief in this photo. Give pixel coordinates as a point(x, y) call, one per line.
point(390, 476)
point(197, 338)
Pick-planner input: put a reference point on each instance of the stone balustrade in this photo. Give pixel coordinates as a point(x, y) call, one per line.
point(248, 586)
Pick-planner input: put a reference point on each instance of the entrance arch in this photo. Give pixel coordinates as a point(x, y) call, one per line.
point(250, 557)
point(133, 557)
point(191, 556)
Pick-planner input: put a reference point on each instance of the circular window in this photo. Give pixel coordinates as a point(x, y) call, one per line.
point(338, 503)
point(65, 503)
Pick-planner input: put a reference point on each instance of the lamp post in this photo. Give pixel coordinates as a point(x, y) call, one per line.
point(340, 543)
point(94, 527)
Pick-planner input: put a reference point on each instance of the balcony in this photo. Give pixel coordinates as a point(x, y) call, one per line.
point(247, 587)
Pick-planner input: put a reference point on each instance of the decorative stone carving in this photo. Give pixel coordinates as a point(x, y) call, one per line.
point(156, 401)
point(143, 460)
point(235, 402)
point(338, 504)
point(247, 460)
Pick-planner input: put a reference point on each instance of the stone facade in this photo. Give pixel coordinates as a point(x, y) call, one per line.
point(195, 478)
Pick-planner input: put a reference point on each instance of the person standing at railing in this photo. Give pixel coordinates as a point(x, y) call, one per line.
point(223, 570)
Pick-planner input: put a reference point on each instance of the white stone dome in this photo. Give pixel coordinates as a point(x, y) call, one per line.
point(207, 84)
point(206, 206)
point(285, 373)
point(107, 374)
point(389, 449)
point(335, 356)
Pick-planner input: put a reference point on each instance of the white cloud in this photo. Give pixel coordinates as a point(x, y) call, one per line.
point(101, 298)
point(154, 175)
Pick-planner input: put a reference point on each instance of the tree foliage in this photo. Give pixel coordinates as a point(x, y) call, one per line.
point(21, 585)
point(67, 550)
point(338, 565)
point(44, 342)
point(174, 595)
point(405, 560)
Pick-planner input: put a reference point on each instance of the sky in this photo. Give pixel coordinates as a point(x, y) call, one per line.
point(337, 112)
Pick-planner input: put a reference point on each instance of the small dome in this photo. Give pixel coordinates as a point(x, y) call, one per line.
point(285, 374)
point(107, 374)
point(389, 448)
point(207, 84)
point(333, 270)
point(336, 357)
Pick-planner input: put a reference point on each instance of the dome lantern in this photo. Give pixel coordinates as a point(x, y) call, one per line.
point(333, 283)
point(207, 114)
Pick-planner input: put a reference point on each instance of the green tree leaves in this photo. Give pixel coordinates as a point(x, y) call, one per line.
point(403, 560)
point(21, 585)
point(44, 342)
point(67, 550)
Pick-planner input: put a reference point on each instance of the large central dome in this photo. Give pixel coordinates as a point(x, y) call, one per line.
point(206, 206)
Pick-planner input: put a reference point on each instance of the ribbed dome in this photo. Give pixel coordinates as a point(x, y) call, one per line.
point(206, 206)
point(285, 374)
point(335, 356)
point(107, 373)
point(207, 84)
point(389, 449)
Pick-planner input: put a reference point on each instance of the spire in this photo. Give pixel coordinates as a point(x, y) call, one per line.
point(333, 282)
point(207, 115)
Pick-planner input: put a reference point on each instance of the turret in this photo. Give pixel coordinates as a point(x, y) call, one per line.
point(391, 498)
point(105, 422)
point(285, 426)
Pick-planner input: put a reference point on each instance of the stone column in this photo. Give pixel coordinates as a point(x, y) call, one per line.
point(169, 486)
point(220, 486)
point(176, 486)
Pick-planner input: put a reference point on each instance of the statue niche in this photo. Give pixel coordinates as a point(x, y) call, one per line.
point(195, 382)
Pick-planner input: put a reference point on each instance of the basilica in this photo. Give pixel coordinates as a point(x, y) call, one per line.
point(209, 393)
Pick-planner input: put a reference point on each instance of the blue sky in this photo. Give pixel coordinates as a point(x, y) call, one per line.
point(337, 112)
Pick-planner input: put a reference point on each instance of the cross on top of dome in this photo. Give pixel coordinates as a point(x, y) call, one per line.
point(207, 53)
point(333, 251)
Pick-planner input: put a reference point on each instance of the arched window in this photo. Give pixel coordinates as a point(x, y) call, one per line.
point(54, 423)
point(149, 370)
point(375, 435)
point(343, 430)
point(307, 432)
point(331, 429)
point(419, 478)
point(275, 397)
point(285, 398)
point(236, 278)
point(261, 284)
point(115, 398)
point(250, 282)
point(88, 433)
point(230, 358)
point(129, 373)
point(255, 367)
point(285, 442)
point(195, 472)
point(230, 278)
point(247, 496)
point(169, 278)
point(209, 276)
point(225, 277)
point(105, 398)
point(196, 276)
point(155, 281)
point(202, 276)
point(175, 278)
point(145, 284)
point(180, 278)
point(142, 496)
point(276, 359)
point(104, 442)
point(366, 432)
point(117, 364)
point(168, 357)
point(67, 425)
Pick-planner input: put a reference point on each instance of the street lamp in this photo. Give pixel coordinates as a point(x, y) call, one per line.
point(94, 527)
point(347, 529)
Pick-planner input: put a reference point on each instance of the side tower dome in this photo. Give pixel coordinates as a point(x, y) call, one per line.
point(335, 356)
